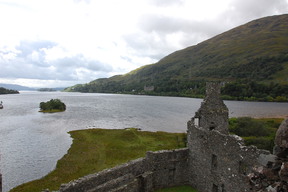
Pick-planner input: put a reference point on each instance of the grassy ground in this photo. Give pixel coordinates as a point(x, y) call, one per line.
point(96, 149)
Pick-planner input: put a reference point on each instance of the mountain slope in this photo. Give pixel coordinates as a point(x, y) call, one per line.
point(256, 51)
point(16, 87)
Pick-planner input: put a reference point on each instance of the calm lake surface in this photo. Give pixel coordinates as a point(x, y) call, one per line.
point(32, 142)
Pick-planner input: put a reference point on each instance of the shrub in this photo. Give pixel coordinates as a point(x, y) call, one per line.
point(246, 126)
point(53, 104)
point(258, 132)
point(260, 142)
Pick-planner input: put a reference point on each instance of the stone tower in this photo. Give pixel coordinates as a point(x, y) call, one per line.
point(217, 162)
point(213, 113)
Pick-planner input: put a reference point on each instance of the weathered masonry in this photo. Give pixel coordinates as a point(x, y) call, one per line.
point(157, 169)
point(218, 162)
point(213, 161)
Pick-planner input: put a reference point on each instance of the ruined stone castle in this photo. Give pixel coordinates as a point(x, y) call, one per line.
point(213, 161)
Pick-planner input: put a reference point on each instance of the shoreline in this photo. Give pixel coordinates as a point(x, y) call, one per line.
point(93, 150)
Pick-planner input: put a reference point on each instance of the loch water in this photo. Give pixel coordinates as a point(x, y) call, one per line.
point(32, 142)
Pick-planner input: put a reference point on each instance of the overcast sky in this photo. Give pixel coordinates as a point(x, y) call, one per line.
point(59, 43)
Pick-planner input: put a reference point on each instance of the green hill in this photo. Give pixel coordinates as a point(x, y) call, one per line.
point(248, 56)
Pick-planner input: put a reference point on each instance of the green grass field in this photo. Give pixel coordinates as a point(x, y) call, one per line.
point(97, 149)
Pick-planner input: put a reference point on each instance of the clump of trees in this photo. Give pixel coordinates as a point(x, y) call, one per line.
point(54, 105)
point(246, 90)
point(7, 91)
point(258, 132)
point(252, 91)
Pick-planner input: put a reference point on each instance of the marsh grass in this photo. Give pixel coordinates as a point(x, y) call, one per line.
point(96, 149)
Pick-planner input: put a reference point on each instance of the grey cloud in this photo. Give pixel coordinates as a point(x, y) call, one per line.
point(166, 25)
point(153, 40)
point(192, 31)
point(256, 8)
point(145, 45)
point(27, 47)
point(98, 66)
point(68, 67)
point(240, 13)
point(30, 63)
point(79, 61)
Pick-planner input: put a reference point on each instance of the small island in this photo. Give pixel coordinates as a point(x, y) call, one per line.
point(52, 106)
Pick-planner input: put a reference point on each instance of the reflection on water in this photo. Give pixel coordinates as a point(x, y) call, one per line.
point(32, 142)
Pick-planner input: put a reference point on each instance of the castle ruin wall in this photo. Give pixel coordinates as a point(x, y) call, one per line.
point(157, 170)
point(219, 162)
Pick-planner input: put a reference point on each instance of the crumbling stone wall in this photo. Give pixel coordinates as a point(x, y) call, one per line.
point(213, 113)
point(219, 161)
point(157, 170)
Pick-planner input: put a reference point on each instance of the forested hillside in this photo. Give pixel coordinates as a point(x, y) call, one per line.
point(7, 91)
point(251, 59)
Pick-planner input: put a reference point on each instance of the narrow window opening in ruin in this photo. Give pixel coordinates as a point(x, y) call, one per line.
point(214, 162)
point(222, 188)
point(196, 121)
point(214, 188)
point(212, 126)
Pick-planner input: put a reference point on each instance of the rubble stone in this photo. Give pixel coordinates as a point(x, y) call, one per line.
point(281, 138)
point(283, 173)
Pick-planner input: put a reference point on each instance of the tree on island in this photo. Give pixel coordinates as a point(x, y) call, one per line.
point(54, 105)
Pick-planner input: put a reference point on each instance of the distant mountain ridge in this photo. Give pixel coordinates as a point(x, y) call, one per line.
point(16, 87)
point(24, 88)
point(256, 51)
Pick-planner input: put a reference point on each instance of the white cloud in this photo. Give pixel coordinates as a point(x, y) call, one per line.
point(51, 42)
